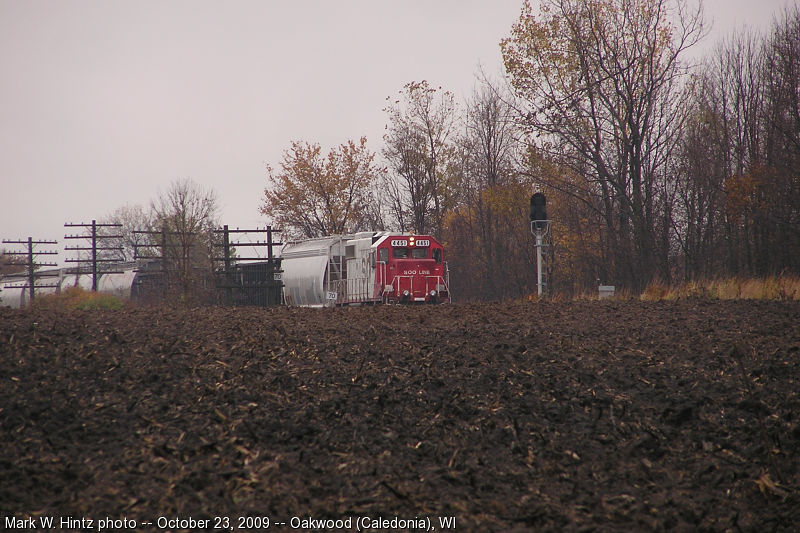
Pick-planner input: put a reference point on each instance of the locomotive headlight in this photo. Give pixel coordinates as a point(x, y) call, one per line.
point(406, 293)
point(433, 293)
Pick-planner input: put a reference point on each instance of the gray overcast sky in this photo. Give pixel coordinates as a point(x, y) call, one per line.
point(104, 103)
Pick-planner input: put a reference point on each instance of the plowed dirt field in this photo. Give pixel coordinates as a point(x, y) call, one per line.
point(588, 416)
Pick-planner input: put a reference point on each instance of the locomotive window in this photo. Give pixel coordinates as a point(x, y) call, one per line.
point(400, 253)
point(383, 255)
point(419, 253)
point(437, 255)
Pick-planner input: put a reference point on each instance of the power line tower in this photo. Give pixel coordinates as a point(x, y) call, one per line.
point(31, 265)
point(95, 262)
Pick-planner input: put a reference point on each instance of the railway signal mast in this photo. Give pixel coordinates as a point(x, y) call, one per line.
point(540, 227)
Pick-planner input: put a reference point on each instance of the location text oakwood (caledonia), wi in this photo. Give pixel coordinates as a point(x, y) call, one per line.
point(227, 523)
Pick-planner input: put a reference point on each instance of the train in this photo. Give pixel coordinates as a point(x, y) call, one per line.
point(365, 268)
point(355, 269)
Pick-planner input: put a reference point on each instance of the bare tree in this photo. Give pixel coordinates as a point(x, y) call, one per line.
point(782, 141)
point(187, 214)
point(420, 152)
point(133, 218)
point(699, 179)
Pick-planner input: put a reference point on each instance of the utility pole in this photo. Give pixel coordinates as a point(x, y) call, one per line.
point(94, 248)
point(32, 265)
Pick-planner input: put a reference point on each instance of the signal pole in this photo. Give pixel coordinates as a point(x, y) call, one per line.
point(540, 227)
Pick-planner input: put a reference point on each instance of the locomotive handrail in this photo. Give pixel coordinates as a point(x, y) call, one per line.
point(399, 277)
point(381, 274)
point(439, 280)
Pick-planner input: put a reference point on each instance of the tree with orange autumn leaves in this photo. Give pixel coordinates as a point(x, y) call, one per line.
point(312, 195)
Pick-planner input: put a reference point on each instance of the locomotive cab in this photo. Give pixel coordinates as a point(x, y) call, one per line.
point(411, 270)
